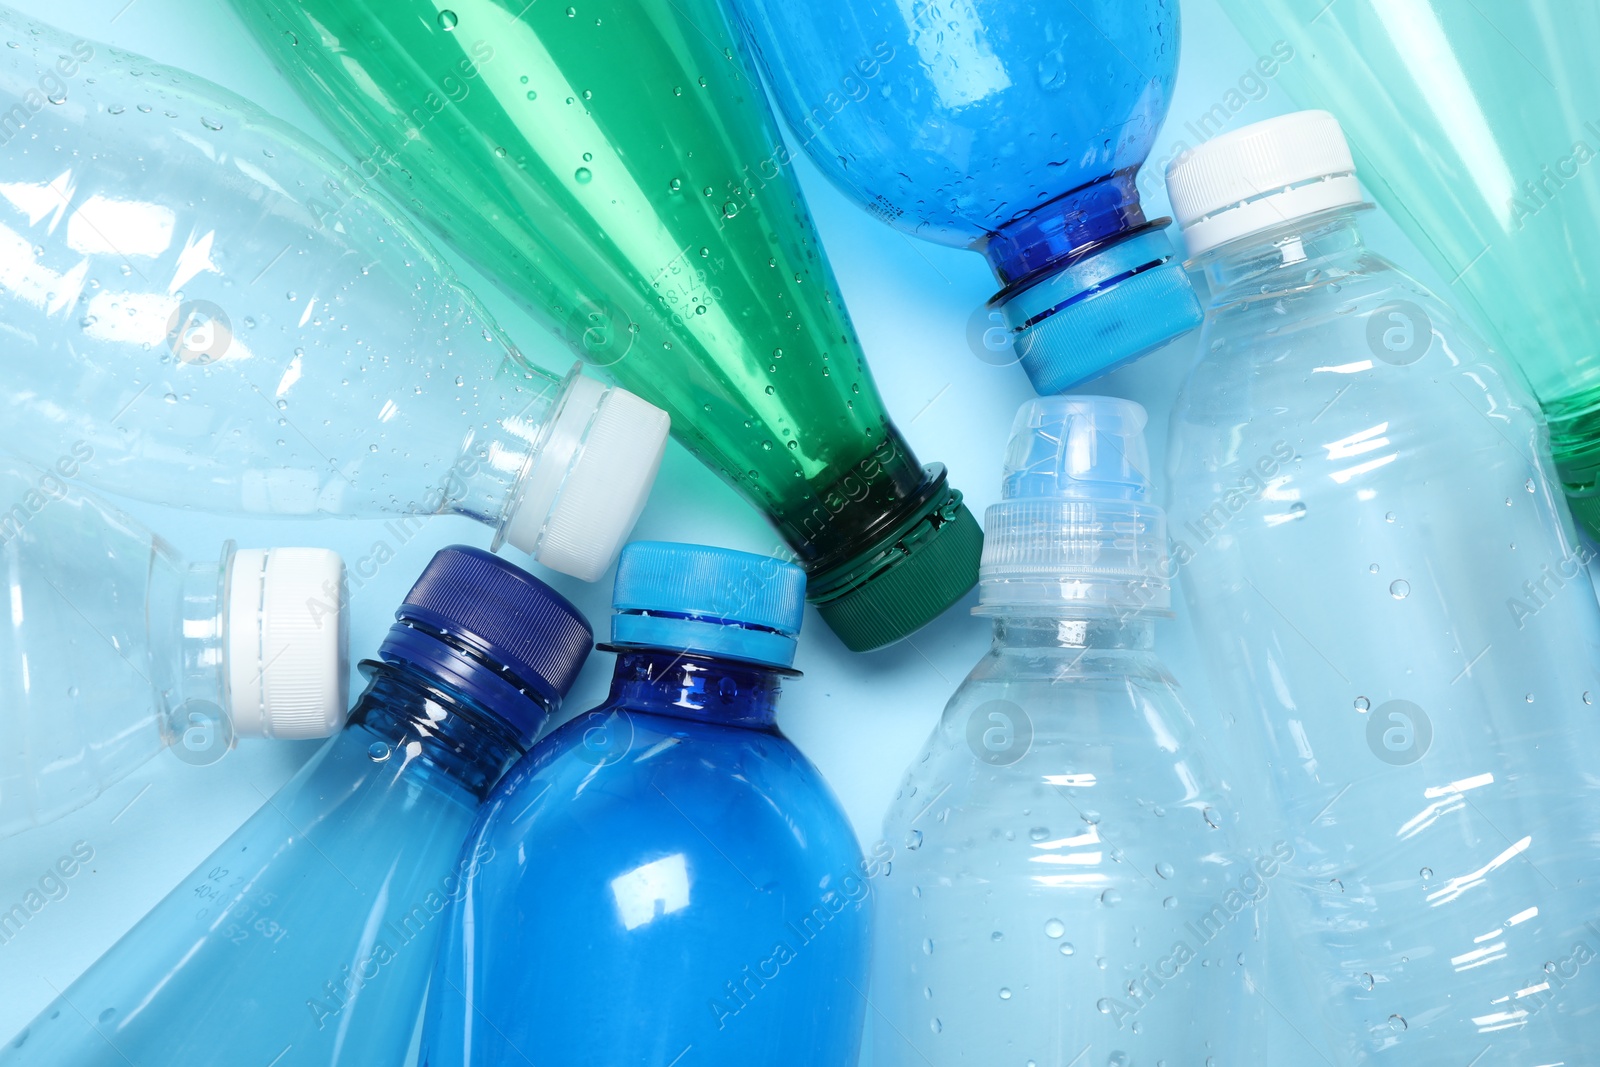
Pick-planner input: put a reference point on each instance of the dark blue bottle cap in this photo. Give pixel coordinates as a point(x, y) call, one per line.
point(493, 631)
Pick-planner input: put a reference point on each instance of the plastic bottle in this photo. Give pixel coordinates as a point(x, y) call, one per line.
point(235, 322)
point(670, 872)
point(1388, 588)
point(1068, 877)
point(115, 647)
point(616, 168)
point(1475, 125)
point(1015, 128)
point(307, 937)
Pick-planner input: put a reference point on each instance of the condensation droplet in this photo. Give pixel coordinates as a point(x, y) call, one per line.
point(1363, 704)
point(1399, 588)
point(378, 751)
point(1054, 928)
point(583, 175)
point(1426, 873)
point(913, 839)
point(1005, 994)
point(1067, 949)
point(448, 20)
point(1164, 870)
point(1111, 898)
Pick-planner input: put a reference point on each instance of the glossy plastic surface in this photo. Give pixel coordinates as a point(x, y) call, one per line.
point(1475, 125)
point(616, 168)
point(307, 937)
point(672, 880)
point(95, 657)
point(1011, 126)
point(226, 315)
point(1069, 878)
point(1388, 587)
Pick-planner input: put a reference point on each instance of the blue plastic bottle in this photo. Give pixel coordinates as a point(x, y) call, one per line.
point(1072, 885)
point(1012, 127)
point(1389, 590)
point(672, 882)
point(306, 939)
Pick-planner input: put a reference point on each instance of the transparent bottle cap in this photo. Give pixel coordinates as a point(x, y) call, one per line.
point(1075, 526)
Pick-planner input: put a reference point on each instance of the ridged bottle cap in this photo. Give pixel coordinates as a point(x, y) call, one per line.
point(512, 640)
point(1260, 177)
point(286, 642)
point(711, 601)
point(579, 501)
point(1074, 528)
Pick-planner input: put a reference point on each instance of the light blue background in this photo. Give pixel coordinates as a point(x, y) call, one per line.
point(862, 719)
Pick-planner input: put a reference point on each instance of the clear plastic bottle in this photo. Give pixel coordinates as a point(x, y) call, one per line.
point(678, 883)
point(236, 322)
point(1389, 590)
point(1068, 883)
point(114, 647)
point(306, 939)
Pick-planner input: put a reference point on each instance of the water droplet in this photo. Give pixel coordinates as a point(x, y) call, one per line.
point(936, 1026)
point(701, 310)
point(1164, 870)
point(532, 95)
point(997, 937)
point(1111, 898)
point(583, 175)
point(1528, 699)
point(1399, 588)
point(769, 390)
point(1091, 817)
point(1586, 699)
point(1054, 928)
point(1363, 704)
point(1038, 833)
point(107, 1015)
point(1389, 517)
point(927, 946)
point(572, 12)
point(1005, 994)
point(72, 691)
point(794, 446)
point(1530, 487)
point(914, 840)
point(1367, 980)
point(1104, 1005)
point(448, 20)
point(210, 124)
point(1067, 949)
point(1170, 903)
point(1210, 815)
point(378, 751)
point(1373, 569)
point(730, 209)
point(1426, 873)
point(1397, 1022)
point(674, 185)
point(1297, 510)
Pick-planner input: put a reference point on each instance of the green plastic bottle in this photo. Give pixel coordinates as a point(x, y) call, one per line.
point(615, 166)
point(1477, 125)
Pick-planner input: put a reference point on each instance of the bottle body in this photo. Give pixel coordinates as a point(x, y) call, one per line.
point(1068, 871)
point(228, 317)
point(1388, 587)
point(929, 116)
point(308, 935)
point(1469, 125)
point(688, 268)
point(665, 878)
point(111, 642)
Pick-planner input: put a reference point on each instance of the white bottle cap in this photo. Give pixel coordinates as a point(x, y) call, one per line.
point(285, 630)
point(1262, 176)
point(1074, 528)
point(579, 501)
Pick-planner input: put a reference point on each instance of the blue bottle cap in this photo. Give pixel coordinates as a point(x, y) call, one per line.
point(710, 601)
point(494, 632)
point(1100, 312)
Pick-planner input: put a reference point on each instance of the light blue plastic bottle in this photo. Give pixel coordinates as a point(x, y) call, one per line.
point(1070, 883)
point(234, 321)
point(672, 882)
point(306, 939)
point(1012, 127)
point(1387, 585)
point(113, 647)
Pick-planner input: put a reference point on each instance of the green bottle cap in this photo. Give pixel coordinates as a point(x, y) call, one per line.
point(905, 581)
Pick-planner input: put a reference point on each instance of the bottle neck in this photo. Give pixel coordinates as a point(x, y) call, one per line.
point(685, 686)
point(1300, 254)
point(436, 729)
point(187, 612)
point(1054, 234)
point(489, 478)
point(1132, 633)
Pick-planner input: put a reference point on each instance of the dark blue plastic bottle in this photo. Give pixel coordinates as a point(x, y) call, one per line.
point(672, 882)
point(307, 938)
point(1012, 127)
